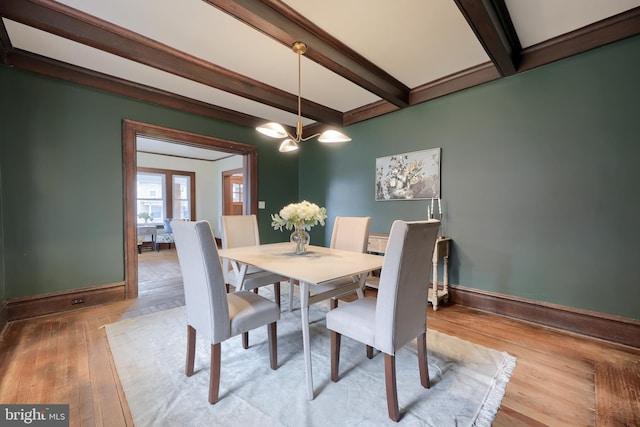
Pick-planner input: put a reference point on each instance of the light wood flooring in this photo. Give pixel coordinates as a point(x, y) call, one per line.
point(561, 379)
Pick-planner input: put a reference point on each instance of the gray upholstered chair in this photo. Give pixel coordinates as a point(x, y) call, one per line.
point(349, 234)
point(212, 311)
point(239, 231)
point(399, 313)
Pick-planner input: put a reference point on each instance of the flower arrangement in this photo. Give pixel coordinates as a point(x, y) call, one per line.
point(146, 216)
point(303, 215)
point(402, 180)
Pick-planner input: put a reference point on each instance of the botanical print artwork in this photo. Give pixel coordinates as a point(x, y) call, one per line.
point(408, 176)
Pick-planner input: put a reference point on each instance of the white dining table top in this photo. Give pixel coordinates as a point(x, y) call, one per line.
point(317, 266)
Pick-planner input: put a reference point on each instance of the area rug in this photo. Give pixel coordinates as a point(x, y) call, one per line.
point(467, 381)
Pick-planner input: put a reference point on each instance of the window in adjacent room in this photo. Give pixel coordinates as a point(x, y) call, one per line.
point(150, 197)
point(155, 203)
point(181, 197)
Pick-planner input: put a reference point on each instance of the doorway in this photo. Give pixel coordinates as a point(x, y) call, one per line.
point(233, 192)
point(131, 131)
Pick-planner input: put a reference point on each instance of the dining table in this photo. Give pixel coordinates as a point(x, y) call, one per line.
point(316, 271)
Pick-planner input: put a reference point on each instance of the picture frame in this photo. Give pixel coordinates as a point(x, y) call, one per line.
point(408, 176)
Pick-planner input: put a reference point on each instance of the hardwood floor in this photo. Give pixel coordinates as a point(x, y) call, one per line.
point(560, 378)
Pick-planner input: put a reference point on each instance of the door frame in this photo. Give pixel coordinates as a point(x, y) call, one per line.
point(130, 131)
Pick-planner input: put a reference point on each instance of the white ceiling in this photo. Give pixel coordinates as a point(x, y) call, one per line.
point(417, 42)
point(537, 21)
point(155, 146)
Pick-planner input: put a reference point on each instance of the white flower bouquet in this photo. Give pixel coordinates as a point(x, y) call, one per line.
point(303, 215)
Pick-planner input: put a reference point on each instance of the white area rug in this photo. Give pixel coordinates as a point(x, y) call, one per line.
point(467, 380)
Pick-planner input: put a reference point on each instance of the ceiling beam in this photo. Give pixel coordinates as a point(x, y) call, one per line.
point(61, 20)
point(280, 22)
point(5, 43)
point(31, 62)
point(491, 23)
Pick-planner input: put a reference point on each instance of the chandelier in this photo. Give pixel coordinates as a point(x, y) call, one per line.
point(276, 130)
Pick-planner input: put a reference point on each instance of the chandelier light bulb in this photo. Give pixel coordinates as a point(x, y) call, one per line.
point(288, 145)
point(272, 129)
point(331, 136)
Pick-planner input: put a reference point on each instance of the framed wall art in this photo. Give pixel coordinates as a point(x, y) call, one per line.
point(409, 176)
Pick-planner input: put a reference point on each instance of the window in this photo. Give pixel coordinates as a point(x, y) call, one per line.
point(181, 197)
point(150, 197)
point(237, 190)
point(155, 203)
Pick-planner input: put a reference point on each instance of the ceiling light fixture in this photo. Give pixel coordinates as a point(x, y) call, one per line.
point(276, 130)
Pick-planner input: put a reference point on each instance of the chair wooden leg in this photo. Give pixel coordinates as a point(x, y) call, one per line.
point(335, 355)
point(273, 345)
point(369, 352)
point(392, 391)
point(226, 285)
point(276, 292)
point(245, 340)
point(191, 350)
point(422, 360)
point(214, 379)
point(333, 303)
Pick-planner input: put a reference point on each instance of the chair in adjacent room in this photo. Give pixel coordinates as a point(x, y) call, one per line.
point(211, 310)
point(399, 313)
point(239, 231)
point(167, 237)
point(349, 234)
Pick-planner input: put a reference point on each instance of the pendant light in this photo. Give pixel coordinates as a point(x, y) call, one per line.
point(276, 130)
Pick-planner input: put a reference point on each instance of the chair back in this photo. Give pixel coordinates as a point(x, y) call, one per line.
point(204, 286)
point(350, 233)
point(239, 230)
point(167, 226)
point(401, 308)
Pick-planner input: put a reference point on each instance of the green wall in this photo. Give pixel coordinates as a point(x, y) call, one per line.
point(3, 292)
point(539, 177)
point(61, 175)
point(539, 180)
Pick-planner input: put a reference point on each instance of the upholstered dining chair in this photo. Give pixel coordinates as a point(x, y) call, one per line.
point(399, 313)
point(212, 311)
point(239, 231)
point(349, 233)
